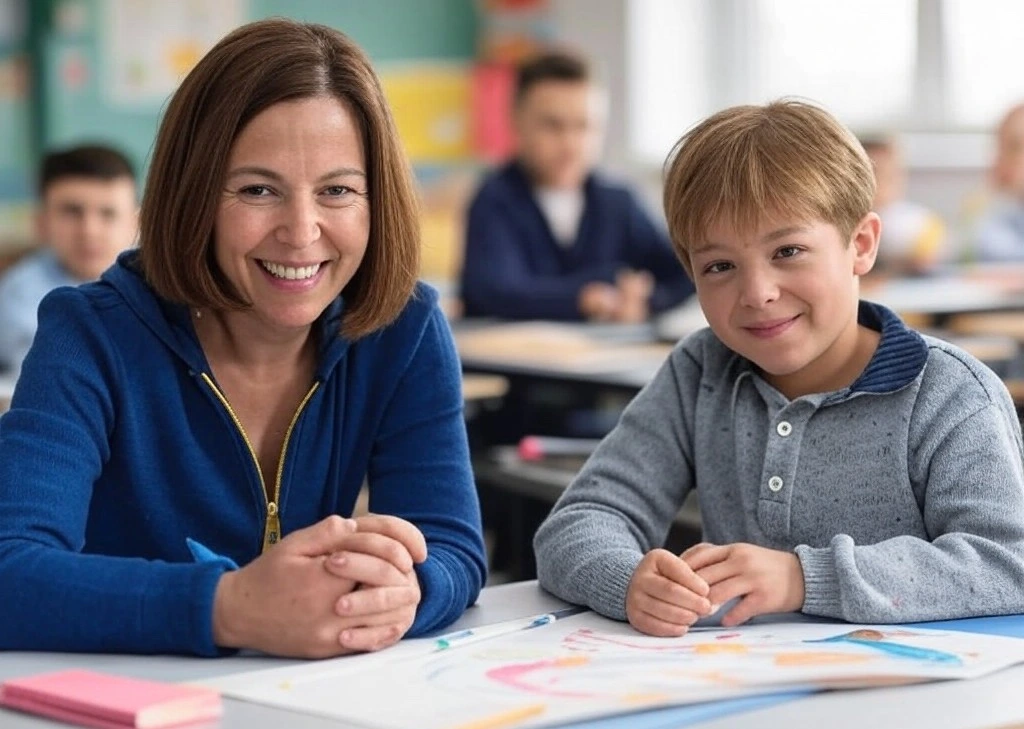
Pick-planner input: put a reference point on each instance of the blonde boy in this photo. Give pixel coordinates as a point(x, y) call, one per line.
point(847, 466)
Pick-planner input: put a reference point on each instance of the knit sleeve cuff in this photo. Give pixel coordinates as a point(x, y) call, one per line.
point(821, 582)
point(603, 589)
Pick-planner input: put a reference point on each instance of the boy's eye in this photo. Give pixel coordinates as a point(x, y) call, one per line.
point(787, 252)
point(717, 267)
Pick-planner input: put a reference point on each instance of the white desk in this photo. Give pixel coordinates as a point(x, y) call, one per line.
point(977, 704)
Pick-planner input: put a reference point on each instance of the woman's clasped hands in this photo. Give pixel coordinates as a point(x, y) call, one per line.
point(339, 586)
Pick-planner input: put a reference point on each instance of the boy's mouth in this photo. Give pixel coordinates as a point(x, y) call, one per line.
point(771, 328)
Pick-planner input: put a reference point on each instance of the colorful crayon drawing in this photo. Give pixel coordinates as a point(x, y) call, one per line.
point(585, 666)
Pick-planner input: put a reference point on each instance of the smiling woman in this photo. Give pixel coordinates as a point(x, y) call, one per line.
point(221, 395)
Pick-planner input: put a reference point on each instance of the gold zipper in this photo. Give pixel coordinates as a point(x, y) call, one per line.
point(272, 527)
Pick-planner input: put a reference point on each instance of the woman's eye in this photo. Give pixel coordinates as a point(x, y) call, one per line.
point(338, 190)
point(255, 191)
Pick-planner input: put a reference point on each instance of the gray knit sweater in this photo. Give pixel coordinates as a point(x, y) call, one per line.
point(902, 495)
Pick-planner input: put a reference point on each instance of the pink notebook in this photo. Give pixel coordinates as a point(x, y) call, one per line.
point(111, 702)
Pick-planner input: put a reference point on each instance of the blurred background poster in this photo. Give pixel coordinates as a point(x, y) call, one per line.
point(152, 44)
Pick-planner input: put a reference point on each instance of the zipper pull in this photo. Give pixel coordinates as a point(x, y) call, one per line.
point(272, 531)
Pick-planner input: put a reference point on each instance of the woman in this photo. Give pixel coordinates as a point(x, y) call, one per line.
point(221, 395)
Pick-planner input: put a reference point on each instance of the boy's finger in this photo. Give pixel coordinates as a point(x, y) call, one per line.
point(729, 589)
point(675, 569)
point(708, 555)
point(745, 609)
point(719, 571)
point(665, 611)
point(666, 590)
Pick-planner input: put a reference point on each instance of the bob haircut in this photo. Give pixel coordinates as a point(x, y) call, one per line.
point(744, 164)
point(252, 68)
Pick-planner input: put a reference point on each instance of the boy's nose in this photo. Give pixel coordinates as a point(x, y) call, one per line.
point(758, 290)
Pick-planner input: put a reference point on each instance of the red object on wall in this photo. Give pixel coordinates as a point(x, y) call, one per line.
point(492, 88)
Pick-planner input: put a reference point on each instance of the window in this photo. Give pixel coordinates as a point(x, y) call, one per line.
point(935, 69)
point(984, 58)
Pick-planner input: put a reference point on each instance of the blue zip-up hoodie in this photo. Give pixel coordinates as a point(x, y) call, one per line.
point(117, 450)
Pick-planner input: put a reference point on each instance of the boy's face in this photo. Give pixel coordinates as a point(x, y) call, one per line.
point(785, 297)
point(1008, 168)
point(557, 126)
point(87, 221)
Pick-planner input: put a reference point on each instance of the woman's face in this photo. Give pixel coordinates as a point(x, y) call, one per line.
point(294, 217)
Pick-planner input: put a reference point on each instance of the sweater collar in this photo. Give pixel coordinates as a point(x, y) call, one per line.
point(900, 356)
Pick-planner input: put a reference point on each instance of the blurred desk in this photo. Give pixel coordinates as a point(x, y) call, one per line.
point(620, 356)
point(547, 479)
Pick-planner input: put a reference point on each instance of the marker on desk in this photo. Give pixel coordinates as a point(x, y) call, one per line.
point(538, 447)
point(486, 632)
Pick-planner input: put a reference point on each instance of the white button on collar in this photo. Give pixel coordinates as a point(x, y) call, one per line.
point(775, 483)
point(784, 428)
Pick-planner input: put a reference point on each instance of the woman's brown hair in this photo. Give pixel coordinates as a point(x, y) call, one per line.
point(252, 68)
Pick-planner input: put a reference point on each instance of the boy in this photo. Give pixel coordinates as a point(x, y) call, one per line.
point(88, 214)
point(847, 466)
point(547, 238)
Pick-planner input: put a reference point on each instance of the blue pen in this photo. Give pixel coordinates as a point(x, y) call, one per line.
point(485, 632)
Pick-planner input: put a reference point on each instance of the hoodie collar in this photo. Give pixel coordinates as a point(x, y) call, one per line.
point(172, 322)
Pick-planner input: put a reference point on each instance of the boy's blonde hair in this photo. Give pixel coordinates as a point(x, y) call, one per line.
point(787, 158)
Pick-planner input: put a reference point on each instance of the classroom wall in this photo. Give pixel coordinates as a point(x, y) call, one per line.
point(78, 103)
point(70, 47)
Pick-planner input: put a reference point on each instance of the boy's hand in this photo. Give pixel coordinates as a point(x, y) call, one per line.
point(599, 301)
point(665, 597)
point(379, 558)
point(769, 581)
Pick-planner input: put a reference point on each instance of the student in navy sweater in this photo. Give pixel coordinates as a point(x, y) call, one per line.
point(548, 238)
point(219, 397)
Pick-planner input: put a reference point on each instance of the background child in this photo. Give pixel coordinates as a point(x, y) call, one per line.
point(87, 215)
point(847, 466)
point(912, 235)
point(546, 237)
point(996, 233)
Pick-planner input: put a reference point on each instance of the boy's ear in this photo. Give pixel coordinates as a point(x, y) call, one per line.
point(864, 243)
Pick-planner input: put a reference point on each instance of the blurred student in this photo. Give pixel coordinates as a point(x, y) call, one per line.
point(998, 233)
point(912, 234)
point(847, 466)
point(549, 238)
point(88, 214)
